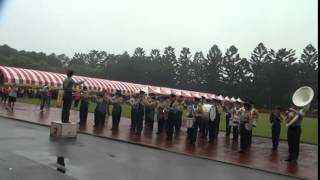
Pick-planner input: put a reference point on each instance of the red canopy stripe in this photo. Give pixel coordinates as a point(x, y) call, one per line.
point(39, 78)
point(57, 79)
point(42, 75)
point(26, 75)
point(52, 79)
point(17, 74)
point(33, 77)
point(6, 74)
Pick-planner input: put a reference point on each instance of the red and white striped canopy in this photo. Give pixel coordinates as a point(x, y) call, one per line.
point(38, 78)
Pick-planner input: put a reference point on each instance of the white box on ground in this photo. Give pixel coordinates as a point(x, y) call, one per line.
point(63, 130)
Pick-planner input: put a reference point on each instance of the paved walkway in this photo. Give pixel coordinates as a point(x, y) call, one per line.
point(260, 156)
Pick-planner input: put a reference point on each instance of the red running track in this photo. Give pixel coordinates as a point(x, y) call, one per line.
point(260, 156)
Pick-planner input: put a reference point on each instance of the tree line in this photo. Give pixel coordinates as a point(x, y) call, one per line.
point(268, 77)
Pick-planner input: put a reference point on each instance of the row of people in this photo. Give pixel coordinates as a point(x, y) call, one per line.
point(241, 118)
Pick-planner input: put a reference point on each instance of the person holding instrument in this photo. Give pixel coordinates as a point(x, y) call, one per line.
point(275, 119)
point(243, 128)
point(301, 99)
point(294, 133)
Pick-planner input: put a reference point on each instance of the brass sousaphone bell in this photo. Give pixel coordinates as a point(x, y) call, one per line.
point(302, 97)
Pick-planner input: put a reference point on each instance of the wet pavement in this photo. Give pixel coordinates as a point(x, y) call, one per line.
point(27, 152)
point(260, 156)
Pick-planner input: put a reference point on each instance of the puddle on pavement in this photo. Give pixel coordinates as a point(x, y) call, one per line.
point(58, 163)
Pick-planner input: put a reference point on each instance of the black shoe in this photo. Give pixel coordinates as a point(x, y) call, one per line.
point(241, 151)
point(288, 160)
point(293, 161)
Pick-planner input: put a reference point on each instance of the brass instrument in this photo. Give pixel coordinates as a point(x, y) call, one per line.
point(302, 97)
point(208, 112)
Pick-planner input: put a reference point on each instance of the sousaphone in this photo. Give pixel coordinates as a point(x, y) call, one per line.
point(209, 112)
point(302, 97)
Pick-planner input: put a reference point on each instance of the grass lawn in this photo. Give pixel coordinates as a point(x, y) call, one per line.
point(309, 125)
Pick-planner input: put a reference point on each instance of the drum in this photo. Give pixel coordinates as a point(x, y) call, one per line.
point(190, 121)
point(235, 119)
point(209, 112)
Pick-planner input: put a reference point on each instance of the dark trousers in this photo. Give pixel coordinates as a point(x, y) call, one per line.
point(217, 126)
point(276, 129)
point(133, 121)
point(161, 124)
point(169, 128)
point(67, 103)
point(235, 133)
point(212, 131)
point(190, 134)
point(83, 113)
point(4, 98)
point(149, 119)
point(204, 128)
point(76, 103)
point(244, 138)
point(228, 128)
point(250, 137)
point(138, 120)
point(139, 125)
point(196, 126)
point(49, 102)
point(116, 119)
point(44, 102)
point(99, 119)
point(294, 134)
point(177, 121)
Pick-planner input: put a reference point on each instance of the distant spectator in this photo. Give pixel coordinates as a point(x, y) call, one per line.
point(5, 95)
point(44, 96)
point(12, 96)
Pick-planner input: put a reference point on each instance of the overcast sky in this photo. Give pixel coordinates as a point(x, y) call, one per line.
point(115, 26)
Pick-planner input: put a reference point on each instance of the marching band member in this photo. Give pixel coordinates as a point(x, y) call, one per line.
point(254, 115)
point(236, 113)
point(212, 125)
point(217, 119)
point(150, 112)
point(171, 117)
point(178, 115)
point(276, 119)
point(203, 123)
point(100, 111)
point(198, 119)
point(243, 125)
point(190, 118)
point(162, 114)
point(139, 115)
point(228, 109)
point(133, 104)
point(294, 133)
point(116, 111)
point(84, 106)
